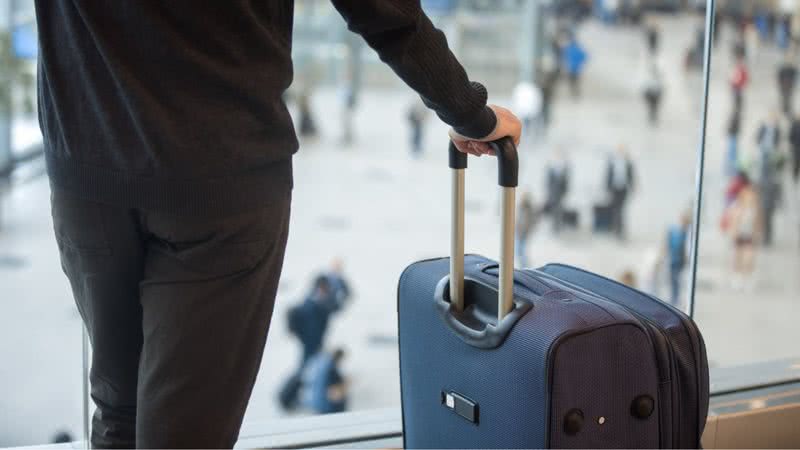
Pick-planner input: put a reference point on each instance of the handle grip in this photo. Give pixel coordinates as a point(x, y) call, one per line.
point(507, 161)
point(507, 179)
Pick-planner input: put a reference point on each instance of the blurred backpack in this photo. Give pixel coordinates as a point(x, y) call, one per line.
point(295, 319)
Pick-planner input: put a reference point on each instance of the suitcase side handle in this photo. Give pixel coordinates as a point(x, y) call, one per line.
point(507, 179)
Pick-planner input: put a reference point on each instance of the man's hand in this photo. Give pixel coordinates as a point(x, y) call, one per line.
point(507, 126)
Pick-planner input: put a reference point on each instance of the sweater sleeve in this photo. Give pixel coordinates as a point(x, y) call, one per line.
point(406, 40)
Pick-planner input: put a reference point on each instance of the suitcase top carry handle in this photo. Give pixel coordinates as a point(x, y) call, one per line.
point(507, 178)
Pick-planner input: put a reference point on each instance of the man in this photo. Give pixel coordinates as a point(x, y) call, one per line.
point(573, 59)
point(558, 181)
point(787, 82)
point(734, 128)
point(768, 140)
point(652, 87)
point(652, 33)
point(740, 77)
point(169, 152)
point(794, 143)
point(416, 122)
point(677, 238)
point(620, 183)
point(527, 220)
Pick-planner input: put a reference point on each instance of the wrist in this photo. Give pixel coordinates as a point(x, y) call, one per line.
point(482, 125)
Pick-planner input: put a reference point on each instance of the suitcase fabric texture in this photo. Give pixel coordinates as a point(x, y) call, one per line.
point(576, 361)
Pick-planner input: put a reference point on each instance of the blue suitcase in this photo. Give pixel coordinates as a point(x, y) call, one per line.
point(492, 357)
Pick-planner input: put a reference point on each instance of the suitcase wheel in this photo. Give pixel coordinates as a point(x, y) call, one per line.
point(573, 422)
point(642, 407)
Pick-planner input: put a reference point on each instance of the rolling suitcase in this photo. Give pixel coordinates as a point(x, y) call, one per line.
point(557, 357)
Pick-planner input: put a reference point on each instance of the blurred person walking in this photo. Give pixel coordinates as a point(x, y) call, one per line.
point(745, 229)
point(528, 216)
point(783, 31)
point(620, 183)
point(347, 99)
point(787, 82)
point(652, 87)
point(548, 79)
point(740, 78)
point(676, 245)
point(573, 60)
point(326, 390)
point(694, 54)
point(558, 175)
point(308, 126)
point(169, 155)
point(752, 42)
point(652, 38)
point(794, 144)
point(309, 322)
point(732, 149)
point(416, 122)
point(767, 166)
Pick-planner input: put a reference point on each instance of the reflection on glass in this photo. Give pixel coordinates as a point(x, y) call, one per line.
point(747, 286)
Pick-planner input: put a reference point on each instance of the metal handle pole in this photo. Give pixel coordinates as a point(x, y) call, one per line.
point(506, 294)
point(457, 241)
point(508, 173)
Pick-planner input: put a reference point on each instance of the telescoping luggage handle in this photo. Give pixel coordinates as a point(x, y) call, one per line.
point(507, 174)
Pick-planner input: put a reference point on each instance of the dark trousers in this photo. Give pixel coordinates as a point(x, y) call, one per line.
point(618, 198)
point(177, 310)
point(653, 101)
point(575, 84)
point(787, 100)
point(416, 139)
point(768, 196)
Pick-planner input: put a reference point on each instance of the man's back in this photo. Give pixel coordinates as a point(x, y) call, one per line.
point(179, 96)
point(175, 106)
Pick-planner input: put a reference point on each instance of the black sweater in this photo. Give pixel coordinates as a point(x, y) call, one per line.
point(175, 105)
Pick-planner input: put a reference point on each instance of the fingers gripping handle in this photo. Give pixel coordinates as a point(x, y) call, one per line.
point(507, 161)
point(507, 174)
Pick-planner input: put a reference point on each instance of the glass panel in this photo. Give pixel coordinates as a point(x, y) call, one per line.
point(40, 330)
point(375, 197)
point(611, 98)
point(747, 286)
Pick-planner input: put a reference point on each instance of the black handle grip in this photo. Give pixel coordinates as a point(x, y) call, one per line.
point(507, 161)
point(458, 160)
